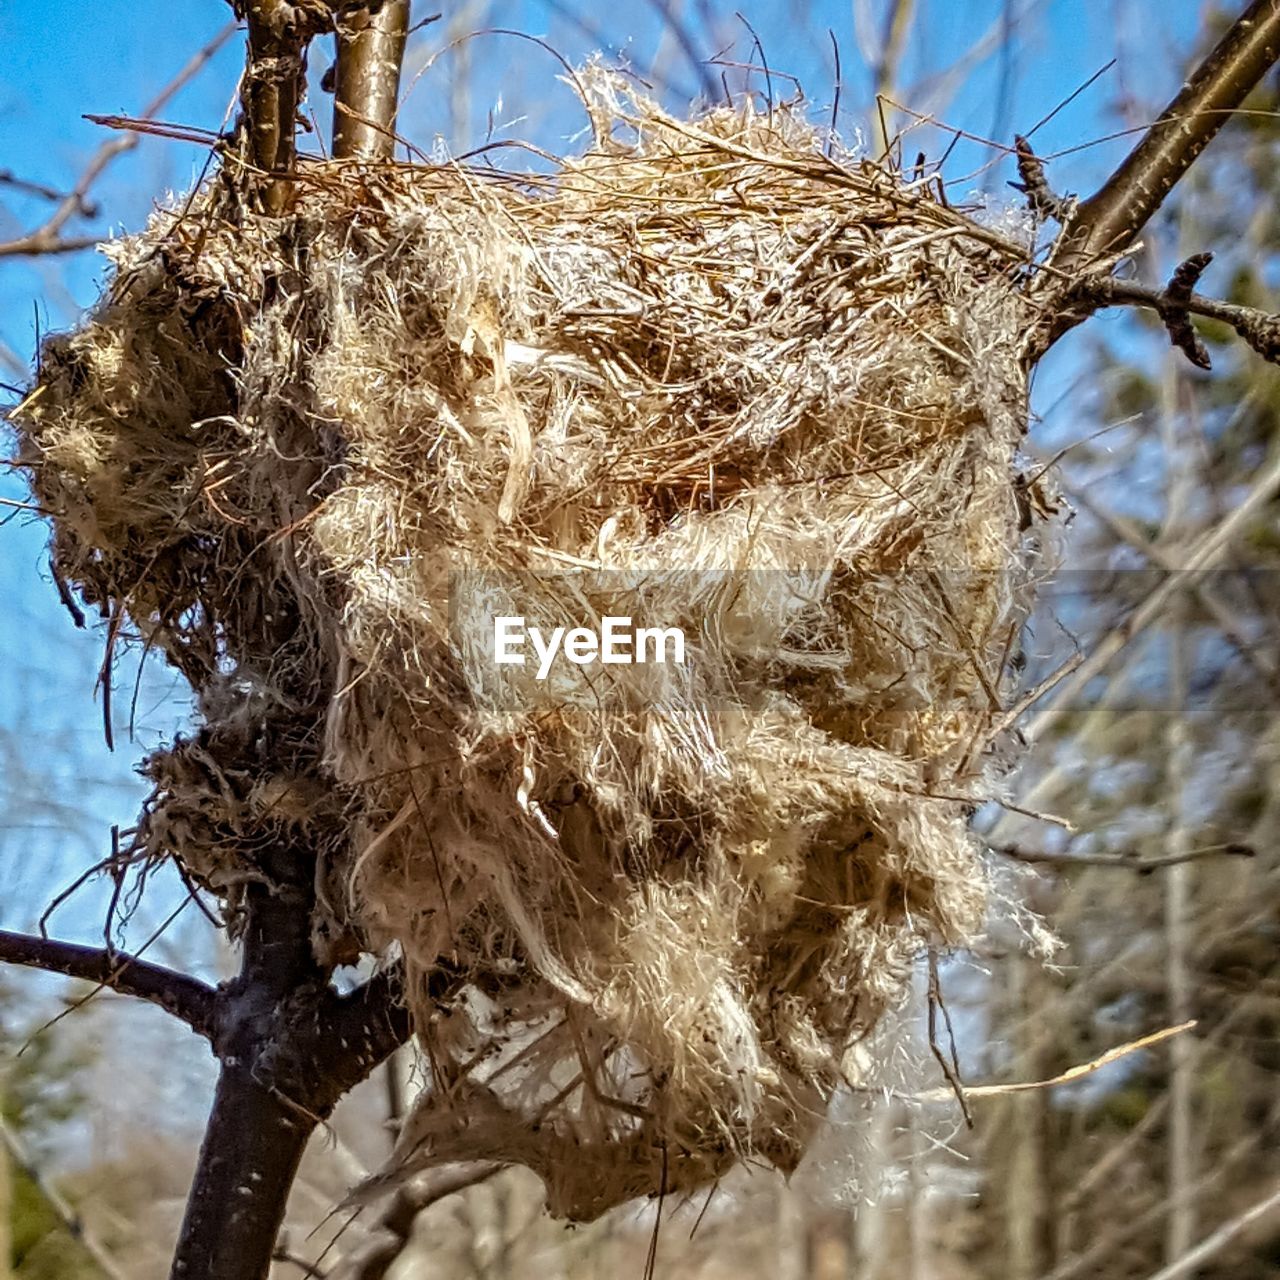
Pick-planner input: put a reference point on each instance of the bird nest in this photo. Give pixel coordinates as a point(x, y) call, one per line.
point(705, 377)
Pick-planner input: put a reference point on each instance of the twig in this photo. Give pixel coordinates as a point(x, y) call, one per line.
point(1201, 557)
point(86, 208)
point(1127, 862)
point(1069, 1076)
point(1218, 1240)
point(186, 998)
point(61, 1207)
point(1035, 186)
point(410, 1199)
point(837, 89)
point(47, 238)
point(1032, 696)
point(950, 1066)
point(1260, 329)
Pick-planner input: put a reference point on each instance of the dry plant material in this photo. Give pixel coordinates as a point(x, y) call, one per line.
point(705, 376)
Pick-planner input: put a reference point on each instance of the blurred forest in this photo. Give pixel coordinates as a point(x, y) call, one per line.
point(1138, 857)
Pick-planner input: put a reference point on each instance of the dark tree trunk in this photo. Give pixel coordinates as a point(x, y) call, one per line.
point(250, 1155)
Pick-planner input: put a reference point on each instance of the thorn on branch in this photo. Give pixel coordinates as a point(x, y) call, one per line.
point(1174, 313)
point(1041, 199)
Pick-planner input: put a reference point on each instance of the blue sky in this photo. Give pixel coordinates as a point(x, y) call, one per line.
point(60, 790)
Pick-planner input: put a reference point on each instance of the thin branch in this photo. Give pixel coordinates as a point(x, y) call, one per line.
point(1260, 329)
point(1035, 186)
point(61, 1207)
point(85, 208)
point(1124, 861)
point(1217, 1241)
point(1070, 1076)
point(47, 238)
point(950, 1065)
point(1127, 532)
point(186, 998)
point(371, 44)
point(1109, 221)
point(1198, 560)
point(395, 1225)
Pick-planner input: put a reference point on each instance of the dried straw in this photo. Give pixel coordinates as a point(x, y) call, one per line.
point(705, 376)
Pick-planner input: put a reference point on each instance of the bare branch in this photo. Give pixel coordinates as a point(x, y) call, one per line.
point(56, 1201)
point(1124, 861)
point(1260, 329)
point(395, 1226)
point(1109, 221)
point(371, 45)
point(188, 999)
point(1201, 557)
point(86, 209)
point(1070, 1076)
point(48, 238)
point(1212, 1244)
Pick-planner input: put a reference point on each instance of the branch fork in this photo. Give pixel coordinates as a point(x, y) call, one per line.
point(1177, 303)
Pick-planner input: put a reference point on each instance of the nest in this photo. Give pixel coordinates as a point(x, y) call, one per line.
point(705, 376)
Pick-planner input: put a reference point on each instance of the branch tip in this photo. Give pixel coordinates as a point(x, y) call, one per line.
point(1041, 199)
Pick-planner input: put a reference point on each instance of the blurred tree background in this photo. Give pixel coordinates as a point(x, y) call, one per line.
point(1162, 1163)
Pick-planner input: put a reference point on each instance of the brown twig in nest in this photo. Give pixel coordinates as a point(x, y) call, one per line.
point(949, 1062)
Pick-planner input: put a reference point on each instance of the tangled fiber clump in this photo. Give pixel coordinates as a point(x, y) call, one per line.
point(704, 376)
